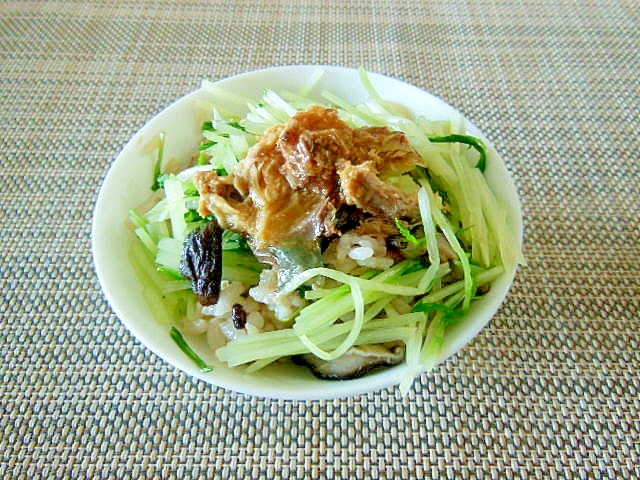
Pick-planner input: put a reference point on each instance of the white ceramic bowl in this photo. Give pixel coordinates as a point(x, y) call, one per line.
point(127, 185)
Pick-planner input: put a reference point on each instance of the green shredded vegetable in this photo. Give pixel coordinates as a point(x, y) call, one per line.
point(177, 337)
point(406, 233)
point(474, 142)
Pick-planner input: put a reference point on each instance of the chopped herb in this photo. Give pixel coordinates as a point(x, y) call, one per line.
point(159, 182)
point(237, 125)
point(188, 351)
point(467, 140)
point(192, 216)
point(157, 170)
point(190, 190)
point(434, 307)
point(205, 145)
point(406, 233)
point(414, 265)
point(234, 241)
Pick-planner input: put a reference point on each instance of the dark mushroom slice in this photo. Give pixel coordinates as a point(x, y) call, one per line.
point(202, 262)
point(238, 316)
point(355, 363)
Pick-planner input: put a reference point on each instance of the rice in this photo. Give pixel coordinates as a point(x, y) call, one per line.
point(361, 253)
point(230, 294)
point(365, 250)
point(266, 292)
point(216, 320)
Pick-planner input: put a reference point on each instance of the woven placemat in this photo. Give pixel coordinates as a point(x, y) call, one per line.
point(550, 389)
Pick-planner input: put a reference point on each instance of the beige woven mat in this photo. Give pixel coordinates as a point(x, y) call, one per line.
point(550, 389)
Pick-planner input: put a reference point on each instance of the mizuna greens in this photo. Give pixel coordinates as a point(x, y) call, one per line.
point(454, 199)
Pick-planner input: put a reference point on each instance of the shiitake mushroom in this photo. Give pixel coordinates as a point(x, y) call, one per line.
point(202, 261)
point(354, 363)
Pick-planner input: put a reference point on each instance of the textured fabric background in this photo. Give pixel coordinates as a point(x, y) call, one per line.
point(550, 389)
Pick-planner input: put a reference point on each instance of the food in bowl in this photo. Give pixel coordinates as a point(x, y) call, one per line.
point(341, 237)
